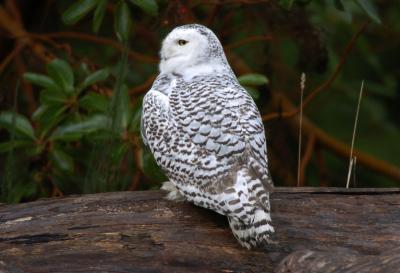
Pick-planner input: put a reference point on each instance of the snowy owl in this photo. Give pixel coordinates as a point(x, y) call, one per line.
point(206, 133)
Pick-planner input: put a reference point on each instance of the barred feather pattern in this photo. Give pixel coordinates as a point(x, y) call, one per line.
point(206, 133)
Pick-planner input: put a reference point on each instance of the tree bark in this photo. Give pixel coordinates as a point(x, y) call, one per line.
point(317, 230)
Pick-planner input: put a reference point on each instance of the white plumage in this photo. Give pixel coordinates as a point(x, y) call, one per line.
point(206, 133)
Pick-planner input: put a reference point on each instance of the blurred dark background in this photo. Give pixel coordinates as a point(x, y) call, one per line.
point(70, 97)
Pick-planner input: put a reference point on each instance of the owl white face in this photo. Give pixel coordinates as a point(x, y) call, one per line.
point(181, 49)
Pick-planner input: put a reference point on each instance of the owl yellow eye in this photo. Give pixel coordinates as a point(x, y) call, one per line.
point(182, 42)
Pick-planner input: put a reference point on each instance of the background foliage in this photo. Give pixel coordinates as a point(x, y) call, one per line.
point(73, 74)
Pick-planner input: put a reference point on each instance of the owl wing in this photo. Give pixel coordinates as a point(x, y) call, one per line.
point(224, 125)
point(255, 134)
point(155, 107)
point(155, 121)
point(143, 131)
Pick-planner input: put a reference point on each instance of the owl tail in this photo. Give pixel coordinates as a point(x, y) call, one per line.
point(255, 233)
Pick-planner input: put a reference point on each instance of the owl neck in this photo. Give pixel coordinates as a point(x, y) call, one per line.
point(200, 69)
point(204, 69)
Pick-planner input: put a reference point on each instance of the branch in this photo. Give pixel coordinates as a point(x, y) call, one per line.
point(325, 84)
point(248, 40)
point(142, 87)
point(16, 30)
point(10, 25)
point(335, 145)
point(100, 40)
point(16, 50)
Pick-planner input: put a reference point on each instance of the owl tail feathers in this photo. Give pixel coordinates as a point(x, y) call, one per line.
point(253, 234)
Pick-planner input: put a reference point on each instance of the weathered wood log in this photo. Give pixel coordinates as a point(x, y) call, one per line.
point(317, 230)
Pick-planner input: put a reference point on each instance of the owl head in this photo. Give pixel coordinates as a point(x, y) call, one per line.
point(191, 46)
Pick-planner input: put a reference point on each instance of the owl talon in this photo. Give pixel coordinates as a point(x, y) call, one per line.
point(173, 192)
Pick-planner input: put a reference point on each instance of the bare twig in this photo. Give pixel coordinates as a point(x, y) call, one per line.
point(354, 134)
point(302, 86)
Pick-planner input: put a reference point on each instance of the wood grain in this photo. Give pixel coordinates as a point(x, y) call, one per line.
point(142, 232)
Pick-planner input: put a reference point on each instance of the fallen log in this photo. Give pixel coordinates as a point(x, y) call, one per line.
point(317, 230)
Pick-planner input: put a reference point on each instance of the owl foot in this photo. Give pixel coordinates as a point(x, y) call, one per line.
point(173, 192)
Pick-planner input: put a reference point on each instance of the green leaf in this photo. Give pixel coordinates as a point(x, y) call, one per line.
point(77, 130)
point(148, 6)
point(31, 151)
point(39, 112)
point(99, 75)
point(14, 144)
point(41, 80)
point(125, 107)
point(287, 4)
point(23, 127)
point(49, 116)
point(386, 89)
point(136, 117)
point(122, 21)
point(52, 97)
point(62, 74)
point(22, 191)
point(338, 5)
point(99, 15)
point(120, 113)
point(84, 70)
point(347, 11)
point(95, 102)
point(78, 10)
point(369, 9)
point(118, 152)
point(253, 92)
point(253, 79)
point(62, 161)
